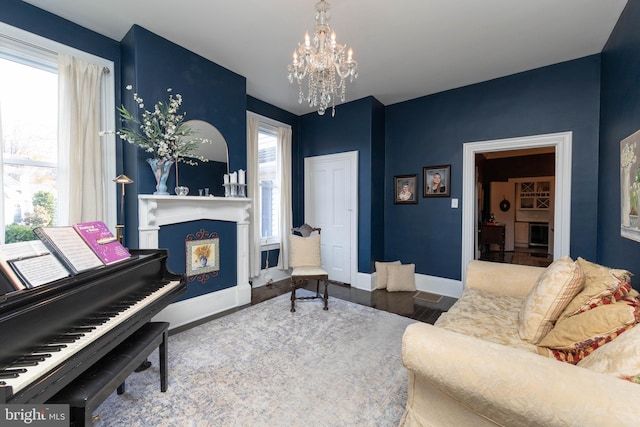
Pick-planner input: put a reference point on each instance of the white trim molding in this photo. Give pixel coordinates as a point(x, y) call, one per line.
point(155, 211)
point(562, 143)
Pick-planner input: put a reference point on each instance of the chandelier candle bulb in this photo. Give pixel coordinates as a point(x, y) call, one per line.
point(325, 62)
point(226, 178)
point(234, 178)
point(241, 176)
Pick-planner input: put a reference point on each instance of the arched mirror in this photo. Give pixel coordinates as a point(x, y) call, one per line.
point(206, 174)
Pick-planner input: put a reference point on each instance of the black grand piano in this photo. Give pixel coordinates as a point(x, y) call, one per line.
point(51, 334)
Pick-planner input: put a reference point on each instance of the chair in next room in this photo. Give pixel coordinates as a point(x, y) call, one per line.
point(305, 259)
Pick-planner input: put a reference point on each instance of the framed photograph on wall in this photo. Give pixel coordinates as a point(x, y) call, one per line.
point(405, 187)
point(436, 181)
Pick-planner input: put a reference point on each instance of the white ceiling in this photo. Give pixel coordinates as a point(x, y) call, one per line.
point(404, 48)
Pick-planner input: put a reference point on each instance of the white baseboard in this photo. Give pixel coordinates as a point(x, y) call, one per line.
point(439, 285)
point(436, 285)
point(193, 309)
point(276, 276)
point(365, 281)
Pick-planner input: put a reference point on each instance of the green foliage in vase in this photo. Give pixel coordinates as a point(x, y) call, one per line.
point(162, 132)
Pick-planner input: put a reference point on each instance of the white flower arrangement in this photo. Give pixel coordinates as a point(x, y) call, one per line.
point(162, 132)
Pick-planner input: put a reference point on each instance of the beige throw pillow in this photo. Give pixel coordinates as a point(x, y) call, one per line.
point(551, 294)
point(304, 251)
point(401, 277)
point(381, 273)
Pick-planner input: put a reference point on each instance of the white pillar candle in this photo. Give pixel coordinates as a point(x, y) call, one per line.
point(226, 178)
point(241, 176)
point(234, 177)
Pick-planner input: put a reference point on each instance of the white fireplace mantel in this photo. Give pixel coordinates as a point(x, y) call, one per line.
point(155, 211)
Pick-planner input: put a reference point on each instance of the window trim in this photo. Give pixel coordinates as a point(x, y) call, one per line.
point(272, 125)
point(35, 43)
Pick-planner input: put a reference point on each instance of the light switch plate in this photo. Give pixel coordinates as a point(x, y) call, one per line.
point(454, 203)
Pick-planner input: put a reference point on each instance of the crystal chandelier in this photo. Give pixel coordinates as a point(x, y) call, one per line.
point(325, 62)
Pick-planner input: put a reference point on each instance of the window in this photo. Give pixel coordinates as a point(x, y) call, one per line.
point(269, 178)
point(29, 132)
point(28, 113)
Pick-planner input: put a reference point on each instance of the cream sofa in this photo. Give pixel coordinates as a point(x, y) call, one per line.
point(482, 378)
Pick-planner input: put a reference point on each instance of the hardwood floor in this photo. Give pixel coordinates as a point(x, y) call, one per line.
point(520, 255)
point(401, 303)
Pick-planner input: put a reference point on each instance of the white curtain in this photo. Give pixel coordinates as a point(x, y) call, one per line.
point(286, 213)
point(80, 162)
point(253, 191)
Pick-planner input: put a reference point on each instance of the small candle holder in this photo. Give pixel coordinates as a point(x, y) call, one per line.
point(234, 189)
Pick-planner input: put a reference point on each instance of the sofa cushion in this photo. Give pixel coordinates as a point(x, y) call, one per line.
point(401, 277)
point(304, 251)
point(381, 273)
point(602, 285)
point(618, 358)
point(482, 314)
point(554, 289)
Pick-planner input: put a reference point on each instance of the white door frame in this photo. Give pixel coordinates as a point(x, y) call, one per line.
point(562, 215)
point(352, 157)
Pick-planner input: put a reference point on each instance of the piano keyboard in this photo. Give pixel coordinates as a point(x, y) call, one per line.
point(30, 368)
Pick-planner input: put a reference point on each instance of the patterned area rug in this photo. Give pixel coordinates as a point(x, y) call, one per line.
point(265, 366)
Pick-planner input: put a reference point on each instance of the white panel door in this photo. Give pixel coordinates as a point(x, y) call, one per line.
point(331, 199)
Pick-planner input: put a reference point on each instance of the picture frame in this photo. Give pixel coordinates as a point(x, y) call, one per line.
point(405, 189)
point(436, 181)
point(203, 257)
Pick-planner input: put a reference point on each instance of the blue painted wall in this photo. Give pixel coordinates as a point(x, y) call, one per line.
point(152, 64)
point(620, 117)
point(357, 126)
point(175, 237)
point(211, 93)
point(29, 18)
point(431, 131)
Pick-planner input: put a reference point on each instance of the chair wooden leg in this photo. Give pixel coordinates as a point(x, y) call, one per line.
point(318, 288)
point(293, 297)
point(326, 295)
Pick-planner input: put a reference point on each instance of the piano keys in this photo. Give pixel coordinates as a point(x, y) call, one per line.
point(53, 333)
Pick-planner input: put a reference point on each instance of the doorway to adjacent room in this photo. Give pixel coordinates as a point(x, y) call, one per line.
point(559, 220)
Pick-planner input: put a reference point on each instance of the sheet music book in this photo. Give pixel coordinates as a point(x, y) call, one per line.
point(40, 269)
point(102, 241)
point(66, 244)
point(31, 264)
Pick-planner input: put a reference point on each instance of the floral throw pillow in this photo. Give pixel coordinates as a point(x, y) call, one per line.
point(603, 285)
point(574, 338)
